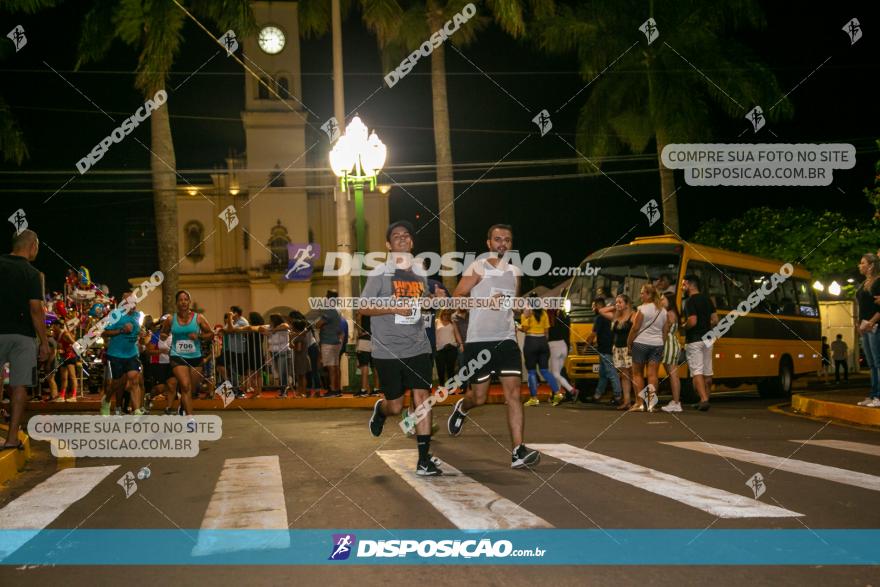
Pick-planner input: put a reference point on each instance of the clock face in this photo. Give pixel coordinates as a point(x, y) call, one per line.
point(271, 40)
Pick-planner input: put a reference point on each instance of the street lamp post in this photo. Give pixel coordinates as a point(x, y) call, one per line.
point(357, 159)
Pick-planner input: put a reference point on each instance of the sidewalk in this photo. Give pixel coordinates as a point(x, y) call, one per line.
point(838, 405)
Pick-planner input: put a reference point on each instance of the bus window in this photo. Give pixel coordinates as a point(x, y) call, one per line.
point(771, 303)
point(788, 298)
point(806, 299)
point(738, 286)
point(713, 284)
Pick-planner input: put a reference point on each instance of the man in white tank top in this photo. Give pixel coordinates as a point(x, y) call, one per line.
point(491, 333)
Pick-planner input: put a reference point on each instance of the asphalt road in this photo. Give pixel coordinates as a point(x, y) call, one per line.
point(332, 475)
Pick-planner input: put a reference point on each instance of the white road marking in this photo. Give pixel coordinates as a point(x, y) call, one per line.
point(37, 508)
point(709, 499)
point(868, 449)
point(466, 503)
point(249, 495)
point(824, 472)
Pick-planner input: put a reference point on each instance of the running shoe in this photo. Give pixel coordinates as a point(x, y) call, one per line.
point(865, 402)
point(558, 399)
point(703, 406)
point(427, 469)
point(377, 420)
point(60, 399)
point(105, 407)
point(71, 398)
point(456, 419)
point(138, 412)
point(361, 393)
point(672, 407)
point(532, 401)
point(524, 456)
point(875, 403)
point(336, 393)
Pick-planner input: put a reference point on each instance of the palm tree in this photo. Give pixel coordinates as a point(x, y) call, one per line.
point(665, 92)
point(400, 30)
point(12, 145)
point(152, 28)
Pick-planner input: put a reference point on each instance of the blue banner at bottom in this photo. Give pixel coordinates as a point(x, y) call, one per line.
point(439, 547)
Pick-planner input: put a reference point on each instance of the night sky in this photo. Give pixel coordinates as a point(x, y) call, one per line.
point(102, 219)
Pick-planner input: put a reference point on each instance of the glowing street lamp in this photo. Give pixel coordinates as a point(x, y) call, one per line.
point(357, 159)
point(834, 288)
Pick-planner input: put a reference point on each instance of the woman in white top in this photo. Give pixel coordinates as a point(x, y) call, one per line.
point(278, 332)
point(646, 339)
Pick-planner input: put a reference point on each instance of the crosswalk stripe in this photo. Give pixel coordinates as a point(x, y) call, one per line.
point(466, 503)
point(249, 495)
point(824, 472)
point(37, 508)
point(713, 501)
point(868, 449)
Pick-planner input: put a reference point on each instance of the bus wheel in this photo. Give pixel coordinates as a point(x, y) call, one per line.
point(781, 384)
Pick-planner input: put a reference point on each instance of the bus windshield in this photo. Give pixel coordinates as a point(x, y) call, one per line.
point(619, 275)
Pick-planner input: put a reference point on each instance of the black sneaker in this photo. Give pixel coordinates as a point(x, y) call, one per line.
point(427, 469)
point(456, 419)
point(524, 456)
point(377, 420)
point(361, 393)
point(703, 406)
point(336, 393)
point(437, 462)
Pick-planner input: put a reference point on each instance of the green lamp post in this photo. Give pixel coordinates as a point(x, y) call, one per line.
point(357, 159)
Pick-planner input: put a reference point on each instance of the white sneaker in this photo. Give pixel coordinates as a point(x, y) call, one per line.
point(672, 407)
point(875, 403)
point(866, 402)
point(652, 398)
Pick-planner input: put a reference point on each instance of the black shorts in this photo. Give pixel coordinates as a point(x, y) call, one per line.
point(70, 361)
point(364, 358)
point(398, 375)
point(117, 367)
point(184, 362)
point(503, 359)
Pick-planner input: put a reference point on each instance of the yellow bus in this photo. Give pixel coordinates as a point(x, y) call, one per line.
point(777, 341)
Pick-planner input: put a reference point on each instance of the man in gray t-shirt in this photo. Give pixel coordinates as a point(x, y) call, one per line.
point(401, 351)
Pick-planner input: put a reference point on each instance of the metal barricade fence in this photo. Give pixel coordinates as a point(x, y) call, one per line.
point(249, 364)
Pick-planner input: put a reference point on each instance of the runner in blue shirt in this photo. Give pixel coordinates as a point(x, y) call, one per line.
point(186, 328)
point(123, 363)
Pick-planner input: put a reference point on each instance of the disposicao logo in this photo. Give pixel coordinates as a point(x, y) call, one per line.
point(343, 544)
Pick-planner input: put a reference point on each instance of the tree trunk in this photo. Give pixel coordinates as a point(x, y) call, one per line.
point(442, 145)
point(667, 191)
point(163, 166)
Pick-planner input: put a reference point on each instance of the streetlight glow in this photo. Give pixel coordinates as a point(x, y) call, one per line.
point(357, 156)
point(834, 288)
point(818, 286)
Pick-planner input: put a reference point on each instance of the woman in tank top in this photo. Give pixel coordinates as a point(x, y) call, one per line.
point(621, 316)
point(646, 339)
point(186, 329)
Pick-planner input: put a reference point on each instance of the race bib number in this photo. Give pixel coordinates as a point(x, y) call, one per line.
point(505, 294)
point(426, 319)
point(185, 346)
point(413, 318)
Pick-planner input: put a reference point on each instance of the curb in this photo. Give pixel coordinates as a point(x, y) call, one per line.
point(496, 396)
point(13, 461)
point(835, 410)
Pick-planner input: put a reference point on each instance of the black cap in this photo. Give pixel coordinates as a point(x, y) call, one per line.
point(404, 223)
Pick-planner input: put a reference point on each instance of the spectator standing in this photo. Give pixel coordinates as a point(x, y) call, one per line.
point(447, 348)
point(672, 354)
point(23, 339)
point(330, 340)
point(700, 318)
point(557, 339)
point(869, 315)
point(278, 332)
point(255, 359)
point(236, 326)
point(839, 354)
point(365, 359)
point(646, 340)
point(825, 365)
point(52, 363)
point(621, 315)
point(536, 352)
point(602, 338)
